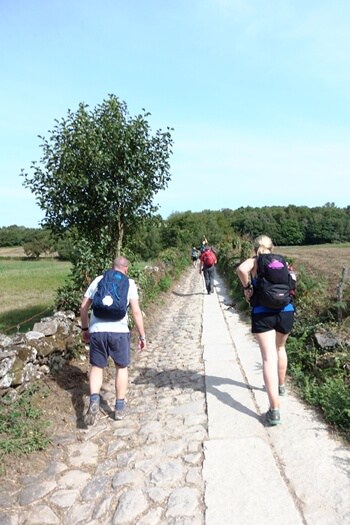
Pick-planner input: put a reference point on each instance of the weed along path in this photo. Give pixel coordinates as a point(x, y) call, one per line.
point(193, 449)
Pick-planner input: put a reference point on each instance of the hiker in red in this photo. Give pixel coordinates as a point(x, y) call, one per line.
point(208, 261)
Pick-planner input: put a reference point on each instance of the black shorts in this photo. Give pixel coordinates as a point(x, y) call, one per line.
point(105, 344)
point(282, 322)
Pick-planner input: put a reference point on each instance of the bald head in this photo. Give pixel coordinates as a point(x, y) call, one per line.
point(121, 264)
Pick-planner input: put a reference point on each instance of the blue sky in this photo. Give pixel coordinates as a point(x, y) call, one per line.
point(257, 91)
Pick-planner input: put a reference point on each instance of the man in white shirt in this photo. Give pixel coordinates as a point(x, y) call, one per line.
point(110, 338)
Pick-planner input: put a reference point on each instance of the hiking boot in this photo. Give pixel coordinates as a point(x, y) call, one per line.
point(91, 414)
point(120, 413)
point(282, 390)
point(273, 417)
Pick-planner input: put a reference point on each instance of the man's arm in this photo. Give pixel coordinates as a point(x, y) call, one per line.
point(138, 318)
point(84, 317)
point(200, 264)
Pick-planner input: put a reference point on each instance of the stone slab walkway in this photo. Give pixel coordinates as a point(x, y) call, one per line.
point(293, 474)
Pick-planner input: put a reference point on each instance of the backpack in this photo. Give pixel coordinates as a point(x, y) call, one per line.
point(274, 282)
point(208, 258)
point(110, 301)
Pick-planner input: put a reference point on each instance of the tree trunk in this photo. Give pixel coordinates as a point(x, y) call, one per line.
point(120, 235)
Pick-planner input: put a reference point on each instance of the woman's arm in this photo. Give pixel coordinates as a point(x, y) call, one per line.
point(244, 271)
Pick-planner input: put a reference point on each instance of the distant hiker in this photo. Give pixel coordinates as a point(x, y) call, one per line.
point(194, 256)
point(268, 287)
point(208, 261)
point(204, 245)
point(108, 333)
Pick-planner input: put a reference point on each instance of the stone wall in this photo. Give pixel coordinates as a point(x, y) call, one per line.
point(27, 357)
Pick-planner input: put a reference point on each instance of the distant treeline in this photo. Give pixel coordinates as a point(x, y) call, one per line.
point(35, 241)
point(18, 235)
point(286, 225)
point(295, 225)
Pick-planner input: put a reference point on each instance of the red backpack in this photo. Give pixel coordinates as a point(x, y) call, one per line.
point(208, 258)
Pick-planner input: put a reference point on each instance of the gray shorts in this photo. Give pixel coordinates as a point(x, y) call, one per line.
point(110, 344)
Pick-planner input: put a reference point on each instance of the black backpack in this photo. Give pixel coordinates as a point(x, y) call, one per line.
point(274, 283)
point(110, 301)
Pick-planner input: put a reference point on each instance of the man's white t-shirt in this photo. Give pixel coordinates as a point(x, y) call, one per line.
point(101, 325)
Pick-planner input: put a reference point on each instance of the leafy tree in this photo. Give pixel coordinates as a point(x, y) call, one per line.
point(146, 243)
point(292, 233)
point(212, 226)
point(248, 221)
point(99, 172)
point(37, 241)
point(65, 246)
point(35, 248)
point(183, 230)
point(186, 229)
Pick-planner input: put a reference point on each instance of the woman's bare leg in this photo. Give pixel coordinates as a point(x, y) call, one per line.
point(281, 357)
point(267, 344)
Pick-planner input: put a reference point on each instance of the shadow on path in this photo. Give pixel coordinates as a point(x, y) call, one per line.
point(191, 379)
point(75, 381)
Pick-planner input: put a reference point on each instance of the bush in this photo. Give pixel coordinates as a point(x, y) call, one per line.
point(164, 283)
point(35, 248)
point(334, 400)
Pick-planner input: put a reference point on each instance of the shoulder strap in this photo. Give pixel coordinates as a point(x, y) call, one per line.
point(260, 264)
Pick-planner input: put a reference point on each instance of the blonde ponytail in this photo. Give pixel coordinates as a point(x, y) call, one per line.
point(263, 244)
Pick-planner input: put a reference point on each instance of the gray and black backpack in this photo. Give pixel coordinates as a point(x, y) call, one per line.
point(274, 284)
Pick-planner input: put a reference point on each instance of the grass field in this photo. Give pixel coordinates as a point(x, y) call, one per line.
point(327, 260)
point(28, 288)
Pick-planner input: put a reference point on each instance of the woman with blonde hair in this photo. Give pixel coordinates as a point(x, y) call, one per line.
point(271, 326)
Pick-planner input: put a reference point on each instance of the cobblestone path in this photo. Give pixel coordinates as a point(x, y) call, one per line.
point(146, 469)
